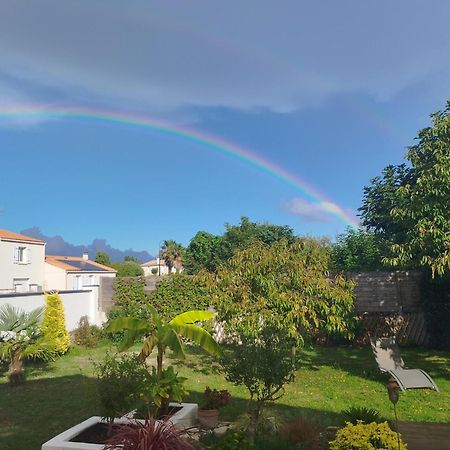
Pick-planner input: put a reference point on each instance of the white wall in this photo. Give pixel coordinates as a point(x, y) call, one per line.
point(85, 278)
point(9, 270)
point(76, 305)
point(55, 278)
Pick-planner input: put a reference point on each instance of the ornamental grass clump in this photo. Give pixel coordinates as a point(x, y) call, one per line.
point(53, 327)
point(372, 436)
point(151, 435)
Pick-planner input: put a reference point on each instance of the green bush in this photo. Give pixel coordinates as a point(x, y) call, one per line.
point(372, 436)
point(231, 440)
point(179, 293)
point(122, 381)
point(155, 271)
point(128, 269)
point(360, 414)
point(53, 327)
point(85, 334)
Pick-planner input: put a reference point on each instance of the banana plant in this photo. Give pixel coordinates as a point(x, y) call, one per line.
point(161, 335)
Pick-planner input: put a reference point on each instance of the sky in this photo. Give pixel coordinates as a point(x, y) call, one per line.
point(279, 111)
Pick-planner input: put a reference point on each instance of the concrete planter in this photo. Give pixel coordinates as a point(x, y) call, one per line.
point(183, 418)
point(209, 418)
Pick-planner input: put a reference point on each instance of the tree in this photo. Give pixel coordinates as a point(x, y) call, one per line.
point(53, 326)
point(172, 254)
point(129, 258)
point(238, 237)
point(410, 204)
point(284, 285)
point(357, 250)
point(202, 253)
point(128, 269)
point(103, 258)
point(269, 299)
point(20, 339)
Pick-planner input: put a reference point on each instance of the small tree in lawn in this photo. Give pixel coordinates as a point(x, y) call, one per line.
point(53, 326)
point(270, 298)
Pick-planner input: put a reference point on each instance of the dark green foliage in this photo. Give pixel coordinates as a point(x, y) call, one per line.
point(85, 334)
point(130, 300)
point(263, 365)
point(122, 382)
point(239, 237)
point(361, 414)
point(131, 259)
point(214, 399)
point(358, 250)
point(231, 440)
point(409, 205)
point(154, 271)
point(202, 253)
point(103, 258)
point(128, 269)
point(380, 198)
point(435, 295)
point(179, 293)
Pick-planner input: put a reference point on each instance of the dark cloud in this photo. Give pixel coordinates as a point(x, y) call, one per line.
point(165, 56)
point(56, 245)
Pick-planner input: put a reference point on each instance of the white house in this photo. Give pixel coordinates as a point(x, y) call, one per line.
point(21, 263)
point(74, 273)
point(156, 267)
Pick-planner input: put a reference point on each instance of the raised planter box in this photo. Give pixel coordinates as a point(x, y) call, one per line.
point(185, 417)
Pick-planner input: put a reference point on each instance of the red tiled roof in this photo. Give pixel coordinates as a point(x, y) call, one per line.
point(63, 262)
point(11, 236)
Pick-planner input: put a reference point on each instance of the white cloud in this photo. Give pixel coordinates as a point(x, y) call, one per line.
point(164, 56)
point(309, 212)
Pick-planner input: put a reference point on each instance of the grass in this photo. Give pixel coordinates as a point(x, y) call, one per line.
point(62, 393)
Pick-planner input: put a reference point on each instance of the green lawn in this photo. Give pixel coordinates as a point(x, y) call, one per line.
point(62, 393)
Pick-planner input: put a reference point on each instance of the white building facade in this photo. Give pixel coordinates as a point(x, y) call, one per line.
point(21, 263)
point(74, 273)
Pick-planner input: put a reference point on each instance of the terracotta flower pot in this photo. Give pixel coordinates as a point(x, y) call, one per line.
point(208, 418)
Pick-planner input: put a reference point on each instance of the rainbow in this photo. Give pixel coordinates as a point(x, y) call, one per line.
point(46, 112)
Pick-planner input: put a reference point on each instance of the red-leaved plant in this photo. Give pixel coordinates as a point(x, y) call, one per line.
point(151, 435)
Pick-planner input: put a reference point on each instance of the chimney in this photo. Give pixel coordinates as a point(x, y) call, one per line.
point(85, 256)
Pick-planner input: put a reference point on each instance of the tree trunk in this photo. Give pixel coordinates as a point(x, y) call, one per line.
point(254, 418)
point(16, 373)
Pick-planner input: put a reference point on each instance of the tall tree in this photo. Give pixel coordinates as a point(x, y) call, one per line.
point(172, 253)
point(202, 253)
point(410, 204)
point(103, 258)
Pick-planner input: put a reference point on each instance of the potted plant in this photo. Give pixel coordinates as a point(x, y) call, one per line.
point(208, 413)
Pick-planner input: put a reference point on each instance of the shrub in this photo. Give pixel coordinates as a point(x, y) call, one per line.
point(53, 326)
point(155, 271)
point(231, 440)
point(85, 334)
point(121, 384)
point(128, 269)
point(151, 435)
point(370, 436)
point(179, 293)
point(360, 414)
point(302, 432)
point(214, 399)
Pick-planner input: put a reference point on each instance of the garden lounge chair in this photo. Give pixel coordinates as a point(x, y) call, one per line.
point(387, 355)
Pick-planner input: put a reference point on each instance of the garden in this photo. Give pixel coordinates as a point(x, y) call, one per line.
point(256, 346)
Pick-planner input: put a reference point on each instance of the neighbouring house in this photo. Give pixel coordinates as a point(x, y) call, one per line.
point(21, 263)
point(74, 273)
point(156, 267)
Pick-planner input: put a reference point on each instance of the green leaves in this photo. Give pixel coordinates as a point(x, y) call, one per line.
point(191, 317)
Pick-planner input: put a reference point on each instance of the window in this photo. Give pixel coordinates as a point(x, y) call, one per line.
point(77, 282)
point(22, 255)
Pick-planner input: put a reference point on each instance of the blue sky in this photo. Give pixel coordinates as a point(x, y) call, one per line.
point(330, 91)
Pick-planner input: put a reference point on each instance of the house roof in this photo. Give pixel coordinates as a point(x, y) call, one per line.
point(11, 236)
point(77, 264)
point(154, 263)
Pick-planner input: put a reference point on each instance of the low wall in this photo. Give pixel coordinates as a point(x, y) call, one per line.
point(76, 304)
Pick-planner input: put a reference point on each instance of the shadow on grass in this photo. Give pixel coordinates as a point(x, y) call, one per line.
point(33, 413)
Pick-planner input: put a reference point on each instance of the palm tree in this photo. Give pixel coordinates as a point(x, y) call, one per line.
point(20, 339)
point(172, 254)
point(162, 335)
